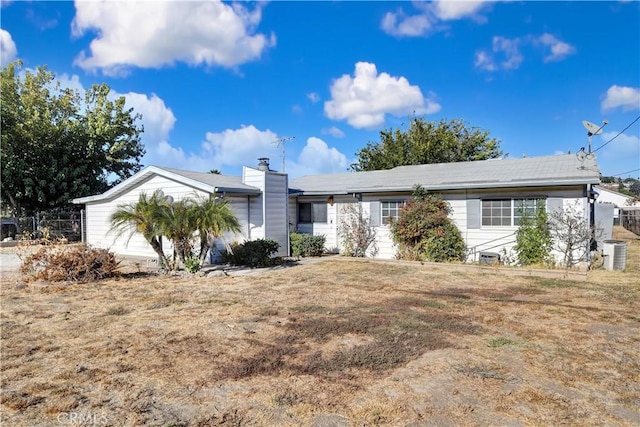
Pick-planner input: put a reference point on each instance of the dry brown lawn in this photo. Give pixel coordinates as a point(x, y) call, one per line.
point(329, 344)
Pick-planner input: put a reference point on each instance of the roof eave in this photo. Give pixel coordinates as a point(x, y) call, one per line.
point(476, 185)
point(136, 178)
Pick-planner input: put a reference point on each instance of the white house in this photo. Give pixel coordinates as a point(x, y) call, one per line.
point(618, 200)
point(258, 199)
point(487, 197)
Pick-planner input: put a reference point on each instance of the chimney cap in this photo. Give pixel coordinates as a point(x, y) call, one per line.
point(264, 164)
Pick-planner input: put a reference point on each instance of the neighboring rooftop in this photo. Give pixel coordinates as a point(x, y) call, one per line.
point(564, 169)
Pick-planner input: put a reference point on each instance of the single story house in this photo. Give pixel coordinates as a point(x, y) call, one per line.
point(258, 198)
point(618, 200)
point(487, 199)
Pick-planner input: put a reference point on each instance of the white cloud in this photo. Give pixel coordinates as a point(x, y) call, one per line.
point(430, 14)
point(333, 131)
point(67, 82)
point(399, 24)
point(485, 61)
point(622, 148)
point(240, 146)
point(505, 53)
point(508, 47)
point(449, 10)
point(559, 49)
point(364, 99)
point(313, 97)
point(621, 96)
point(156, 34)
point(8, 50)
point(317, 158)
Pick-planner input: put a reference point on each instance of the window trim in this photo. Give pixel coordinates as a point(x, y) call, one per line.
point(313, 213)
point(386, 220)
point(513, 216)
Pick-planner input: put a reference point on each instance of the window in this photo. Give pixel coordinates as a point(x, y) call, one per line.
point(312, 212)
point(525, 208)
point(390, 210)
point(496, 213)
point(507, 212)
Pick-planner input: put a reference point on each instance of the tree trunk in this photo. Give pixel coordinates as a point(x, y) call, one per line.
point(157, 248)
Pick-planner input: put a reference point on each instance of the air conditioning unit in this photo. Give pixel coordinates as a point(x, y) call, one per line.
point(614, 253)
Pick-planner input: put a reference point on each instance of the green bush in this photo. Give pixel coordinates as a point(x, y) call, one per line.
point(444, 244)
point(424, 231)
point(252, 253)
point(306, 245)
point(533, 239)
point(192, 264)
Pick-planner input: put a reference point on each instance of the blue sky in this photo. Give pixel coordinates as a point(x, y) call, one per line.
point(218, 83)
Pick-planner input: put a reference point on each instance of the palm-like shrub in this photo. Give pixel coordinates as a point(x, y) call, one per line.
point(145, 217)
point(212, 218)
point(154, 216)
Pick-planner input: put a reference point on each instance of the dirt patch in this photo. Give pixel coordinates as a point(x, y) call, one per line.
point(335, 343)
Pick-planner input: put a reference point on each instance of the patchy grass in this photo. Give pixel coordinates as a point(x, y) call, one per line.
point(499, 342)
point(357, 343)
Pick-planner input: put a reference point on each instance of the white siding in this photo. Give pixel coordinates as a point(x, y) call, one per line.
point(240, 207)
point(268, 216)
point(497, 239)
point(328, 229)
point(98, 217)
point(493, 239)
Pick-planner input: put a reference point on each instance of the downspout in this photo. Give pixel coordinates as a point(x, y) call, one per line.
point(248, 217)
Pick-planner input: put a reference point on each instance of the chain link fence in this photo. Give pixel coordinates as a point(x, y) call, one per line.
point(630, 219)
point(66, 224)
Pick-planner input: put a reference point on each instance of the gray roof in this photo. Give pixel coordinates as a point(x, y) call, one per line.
point(228, 183)
point(497, 173)
point(207, 182)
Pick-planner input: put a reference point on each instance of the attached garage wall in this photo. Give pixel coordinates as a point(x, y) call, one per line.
point(98, 217)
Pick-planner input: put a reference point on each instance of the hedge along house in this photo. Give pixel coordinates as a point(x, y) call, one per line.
point(258, 198)
point(487, 197)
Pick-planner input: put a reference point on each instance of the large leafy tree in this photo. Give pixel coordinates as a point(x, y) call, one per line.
point(427, 142)
point(58, 144)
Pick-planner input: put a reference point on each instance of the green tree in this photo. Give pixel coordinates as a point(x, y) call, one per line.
point(427, 142)
point(424, 230)
point(635, 188)
point(57, 144)
point(533, 238)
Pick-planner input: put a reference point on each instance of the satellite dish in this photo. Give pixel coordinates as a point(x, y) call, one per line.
point(592, 128)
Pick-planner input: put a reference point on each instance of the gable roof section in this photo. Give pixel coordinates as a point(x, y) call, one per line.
point(210, 183)
point(498, 173)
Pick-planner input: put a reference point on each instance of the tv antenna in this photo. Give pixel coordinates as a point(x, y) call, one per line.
point(280, 143)
point(593, 129)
